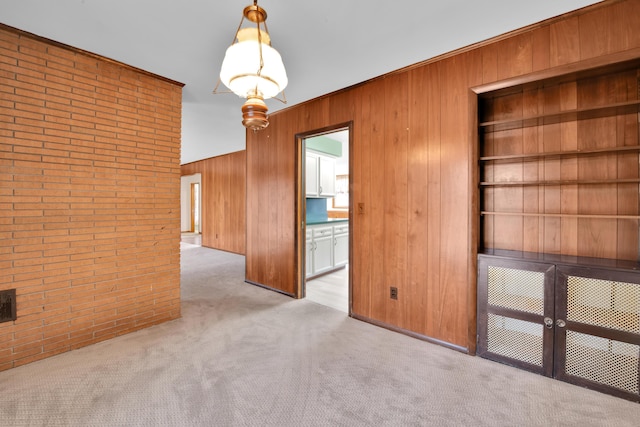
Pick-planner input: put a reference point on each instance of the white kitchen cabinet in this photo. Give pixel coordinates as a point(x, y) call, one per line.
point(340, 245)
point(320, 175)
point(327, 172)
point(322, 249)
point(309, 253)
point(327, 248)
point(311, 174)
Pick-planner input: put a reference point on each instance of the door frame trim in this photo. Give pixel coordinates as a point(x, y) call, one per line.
point(301, 208)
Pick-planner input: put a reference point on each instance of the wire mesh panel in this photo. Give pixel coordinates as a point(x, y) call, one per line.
point(516, 339)
point(514, 299)
point(605, 303)
point(516, 289)
point(604, 361)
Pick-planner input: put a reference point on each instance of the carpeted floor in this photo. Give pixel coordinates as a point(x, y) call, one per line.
point(245, 356)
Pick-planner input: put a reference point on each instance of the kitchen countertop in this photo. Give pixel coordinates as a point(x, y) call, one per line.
point(327, 221)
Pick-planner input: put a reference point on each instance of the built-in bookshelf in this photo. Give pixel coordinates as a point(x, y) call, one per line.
point(559, 166)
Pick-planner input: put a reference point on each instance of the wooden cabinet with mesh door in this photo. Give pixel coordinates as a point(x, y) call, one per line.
point(576, 321)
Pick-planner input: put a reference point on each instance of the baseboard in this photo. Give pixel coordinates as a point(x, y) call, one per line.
point(280, 291)
point(410, 333)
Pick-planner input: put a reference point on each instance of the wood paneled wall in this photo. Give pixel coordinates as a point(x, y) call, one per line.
point(223, 200)
point(414, 167)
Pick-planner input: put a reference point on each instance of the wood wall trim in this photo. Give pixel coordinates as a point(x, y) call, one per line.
point(474, 222)
point(615, 61)
point(324, 130)
point(77, 50)
point(191, 164)
point(280, 291)
point(410, 333)
point(300, 248)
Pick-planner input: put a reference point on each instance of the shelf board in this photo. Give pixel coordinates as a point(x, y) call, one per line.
point(590, 262)
point(558, 215)
point(562, 116)
point(560, 182)
point(559, 154)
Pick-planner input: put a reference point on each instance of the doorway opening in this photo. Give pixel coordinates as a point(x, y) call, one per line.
point(191, 209)
point(195, 207)
point(324, 243)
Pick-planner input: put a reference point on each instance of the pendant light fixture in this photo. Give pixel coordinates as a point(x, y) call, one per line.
point(252, 69)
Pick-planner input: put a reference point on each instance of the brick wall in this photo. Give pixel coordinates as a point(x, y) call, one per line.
point(89, 197)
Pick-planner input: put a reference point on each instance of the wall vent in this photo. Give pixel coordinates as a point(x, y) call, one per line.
point(7, 305)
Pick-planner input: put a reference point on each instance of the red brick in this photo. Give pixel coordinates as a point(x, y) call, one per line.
point(92, 149)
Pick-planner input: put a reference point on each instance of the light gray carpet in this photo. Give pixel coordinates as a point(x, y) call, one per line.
point(245, 356)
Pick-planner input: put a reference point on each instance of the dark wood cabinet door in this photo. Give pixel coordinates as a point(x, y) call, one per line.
point(579, 323)
point(516, 312)
point(597, 329)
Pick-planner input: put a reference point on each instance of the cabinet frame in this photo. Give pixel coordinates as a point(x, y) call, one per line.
point(484, 309)
point(556, 271)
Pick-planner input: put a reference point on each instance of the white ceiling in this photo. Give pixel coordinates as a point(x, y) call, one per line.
point(326, 45)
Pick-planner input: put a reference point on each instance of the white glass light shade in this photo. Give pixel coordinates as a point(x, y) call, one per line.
point(241, 65)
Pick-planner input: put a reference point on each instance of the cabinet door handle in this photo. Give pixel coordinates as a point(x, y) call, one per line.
point(320, 189)
point(561, 323)
point(548, 322)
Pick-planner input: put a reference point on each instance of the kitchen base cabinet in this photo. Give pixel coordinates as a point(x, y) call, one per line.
point(576, 321)
point(322, 250)
point(340, 245)
point(309, 252)
point(327, 248)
